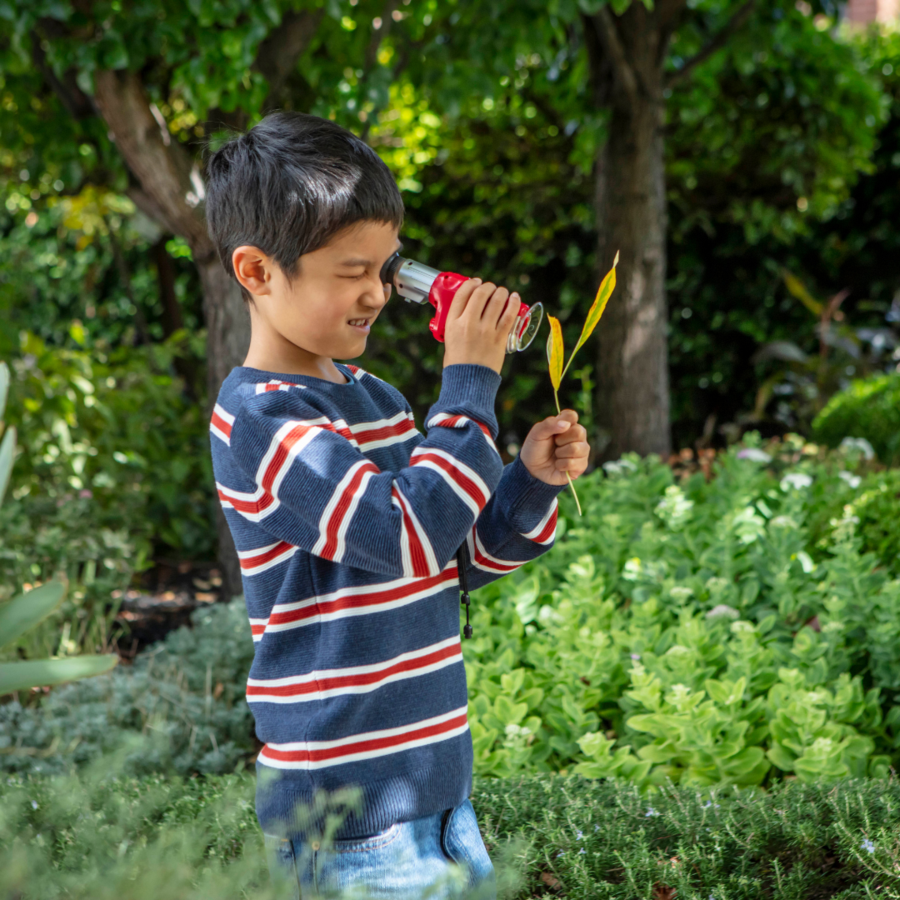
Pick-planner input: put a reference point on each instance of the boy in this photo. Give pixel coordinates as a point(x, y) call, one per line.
point(347, 520)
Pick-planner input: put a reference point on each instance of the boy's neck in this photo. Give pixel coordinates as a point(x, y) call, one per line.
point(288, 359)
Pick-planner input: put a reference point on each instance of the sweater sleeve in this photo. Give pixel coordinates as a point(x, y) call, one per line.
point(314, 489)
point(517, 525)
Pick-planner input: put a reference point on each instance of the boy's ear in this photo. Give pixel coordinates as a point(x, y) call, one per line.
point(252, 269)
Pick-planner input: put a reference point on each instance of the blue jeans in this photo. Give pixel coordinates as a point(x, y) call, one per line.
point(440, 856)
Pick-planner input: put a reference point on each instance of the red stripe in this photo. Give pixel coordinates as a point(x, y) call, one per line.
point(548, 528)
point(360, 600)
point(337, 515)
point(453, 420)
point(340, 681)
point(248, 506)
point(378, 434)
point(252, 561)
point(462, 480)
point(416, 551)
point(364, 746)
point(221, 424)
point(489, 563)
point(281, 455)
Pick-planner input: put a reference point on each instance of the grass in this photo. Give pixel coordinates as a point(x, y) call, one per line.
point(96, 836)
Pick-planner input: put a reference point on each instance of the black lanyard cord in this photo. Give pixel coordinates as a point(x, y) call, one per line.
point(462, 565)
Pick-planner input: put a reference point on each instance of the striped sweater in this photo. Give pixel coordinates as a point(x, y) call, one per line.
point(347, 521)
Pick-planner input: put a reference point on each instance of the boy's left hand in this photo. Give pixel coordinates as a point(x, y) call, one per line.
point(556, 446)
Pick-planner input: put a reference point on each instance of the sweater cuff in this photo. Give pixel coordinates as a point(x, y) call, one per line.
point(524, 498)
point(472, 388)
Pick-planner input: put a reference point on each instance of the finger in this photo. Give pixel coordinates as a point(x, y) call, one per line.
point(479, 299)
point(510, 314)
point(549, 428)
point(575, 433)
point(576, 450)
point(462, 297)
point(496, 306)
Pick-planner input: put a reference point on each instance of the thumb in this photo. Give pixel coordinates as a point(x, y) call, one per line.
point(553, 426)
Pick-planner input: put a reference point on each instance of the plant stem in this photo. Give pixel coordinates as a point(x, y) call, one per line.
point(568, 477)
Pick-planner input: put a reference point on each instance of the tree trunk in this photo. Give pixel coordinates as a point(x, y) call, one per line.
point(632, 372)
point(227, 342)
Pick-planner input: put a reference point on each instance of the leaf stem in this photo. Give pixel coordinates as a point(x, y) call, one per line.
point(568, 477)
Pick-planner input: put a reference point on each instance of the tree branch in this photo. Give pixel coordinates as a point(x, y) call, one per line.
point(163, 168)
point(623, 72)
point(719, 41)
point(279, 52)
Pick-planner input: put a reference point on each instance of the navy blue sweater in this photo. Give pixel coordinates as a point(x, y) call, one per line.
point(347, 522)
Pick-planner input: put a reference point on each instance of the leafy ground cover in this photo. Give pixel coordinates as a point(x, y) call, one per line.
point(734, 630)
point(99, 837)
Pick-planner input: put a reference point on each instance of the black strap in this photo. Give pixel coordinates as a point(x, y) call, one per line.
point(462, 564)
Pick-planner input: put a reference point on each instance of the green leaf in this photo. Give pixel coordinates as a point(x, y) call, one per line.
point(555, 352)
point(4, 386)
point(24, 612)
point(7, 448)
point(20, 676)
point(604, 292)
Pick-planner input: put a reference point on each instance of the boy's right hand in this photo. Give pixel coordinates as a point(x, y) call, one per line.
point(479, 322)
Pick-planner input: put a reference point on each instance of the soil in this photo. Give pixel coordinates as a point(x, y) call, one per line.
point(163, 600)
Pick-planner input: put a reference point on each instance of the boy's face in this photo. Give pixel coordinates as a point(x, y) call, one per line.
point(328, 307)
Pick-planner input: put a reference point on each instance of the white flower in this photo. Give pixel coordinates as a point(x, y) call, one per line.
point(754, 454)
point(783, 522)
point(723, 610)
point(680, 593)
point(850, 478)
point(796, 480)
point(858, 445)
point(651, 812)
point(868, 845)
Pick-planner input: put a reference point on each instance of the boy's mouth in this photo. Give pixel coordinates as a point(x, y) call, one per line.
point(363, 325)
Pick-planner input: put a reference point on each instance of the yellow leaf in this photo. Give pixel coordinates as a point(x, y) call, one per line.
point(604, 292)
point(555, 352)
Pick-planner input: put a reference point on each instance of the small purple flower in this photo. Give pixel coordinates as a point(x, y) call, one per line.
point(581, 851)
point(86, 494)
point(561, 853)
point(635, 656)
point(579, 835)
point(868, 845)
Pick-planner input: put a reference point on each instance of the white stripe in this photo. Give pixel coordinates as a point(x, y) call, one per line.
point(348, 517)
point(502, 562)
point(285, 555)
point(531, 535)
point(374, 607)
point(405, 553)
point(460, 467)
point(430, 559)
point(352, 671)
point(220, 434)
point(331, 506)
point(312, 746)
point(463, 421)
point(223, 414)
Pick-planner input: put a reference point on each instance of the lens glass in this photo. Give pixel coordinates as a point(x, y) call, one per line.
point(531, 327)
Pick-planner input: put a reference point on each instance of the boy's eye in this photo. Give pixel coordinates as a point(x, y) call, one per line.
point(355, 277)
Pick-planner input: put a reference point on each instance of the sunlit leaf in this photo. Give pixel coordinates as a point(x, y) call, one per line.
point(7, 448)
point(798, 289)
point(25, 611)
point(4, 386)
point(555, 352)
point(607, 286)
point(20, 676)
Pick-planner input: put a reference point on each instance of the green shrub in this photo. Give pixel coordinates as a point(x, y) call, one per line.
point(868, 408)
point(180, 708)
point(693, 631)
point(102, 837)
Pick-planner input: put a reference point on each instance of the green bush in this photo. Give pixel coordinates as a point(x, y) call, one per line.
point(731, 631)
point(102, 837)
point(868, 408)
point(180, 708)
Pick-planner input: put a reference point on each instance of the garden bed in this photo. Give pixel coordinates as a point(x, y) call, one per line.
point(550, 836)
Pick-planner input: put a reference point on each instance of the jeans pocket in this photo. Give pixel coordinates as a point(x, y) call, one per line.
point(282, 866)
point(461, 841)
point(374, 842)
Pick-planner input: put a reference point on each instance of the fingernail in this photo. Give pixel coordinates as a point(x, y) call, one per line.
point(515, 295)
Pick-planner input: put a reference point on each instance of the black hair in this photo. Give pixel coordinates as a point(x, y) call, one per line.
point(290, 185)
